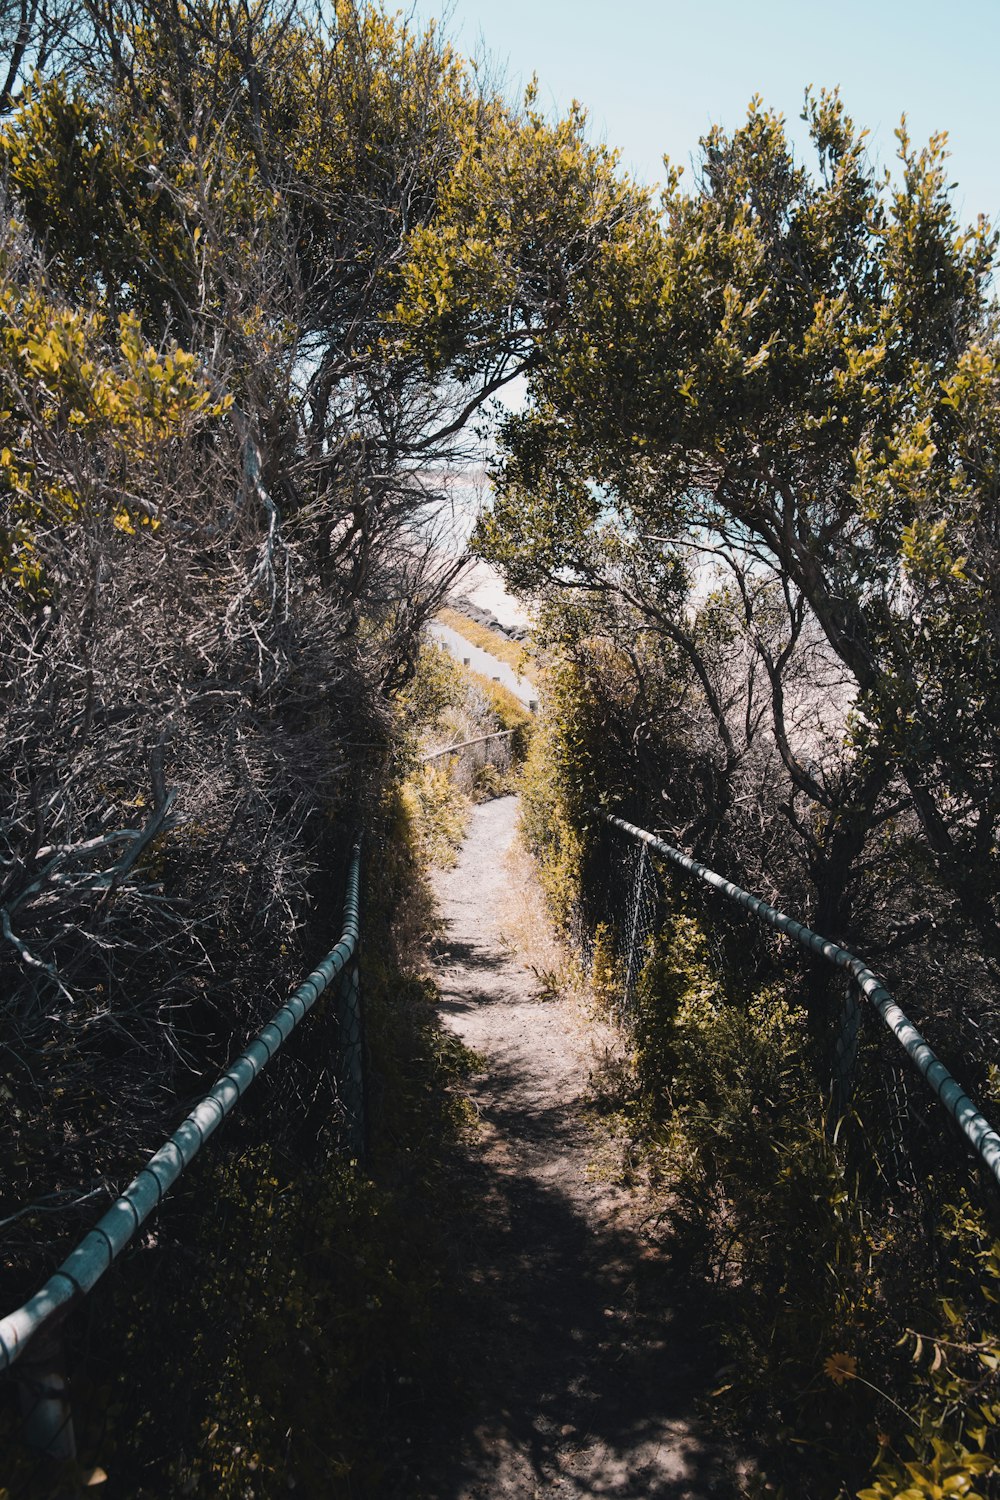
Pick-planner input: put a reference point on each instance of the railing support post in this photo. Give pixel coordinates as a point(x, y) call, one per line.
point(46, 1418)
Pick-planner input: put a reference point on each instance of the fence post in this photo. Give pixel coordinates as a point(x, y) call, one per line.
point(352, 1061)
point(46, 1418)
point(845, 1057)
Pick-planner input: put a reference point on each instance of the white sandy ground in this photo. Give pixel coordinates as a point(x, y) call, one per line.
point(585, 1372)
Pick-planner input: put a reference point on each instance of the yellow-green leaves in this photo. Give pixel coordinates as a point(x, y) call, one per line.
point(528, 210)
point(77, 406)
point(926, 553)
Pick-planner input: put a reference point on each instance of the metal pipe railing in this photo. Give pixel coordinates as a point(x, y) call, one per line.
point(498, 734)
point(87, 1263)
point(983, 1139)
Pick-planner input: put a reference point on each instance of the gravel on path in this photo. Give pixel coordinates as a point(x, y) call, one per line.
point(581, 1365)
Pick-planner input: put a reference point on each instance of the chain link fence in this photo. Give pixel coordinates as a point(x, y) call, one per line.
point(352, 1091)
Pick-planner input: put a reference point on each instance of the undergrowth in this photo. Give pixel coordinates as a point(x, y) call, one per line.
point(278, 1327)
point(860, 1356)
point(855, 1302)
point(439, 812)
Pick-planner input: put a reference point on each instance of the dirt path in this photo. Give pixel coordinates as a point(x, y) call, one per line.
point(581, 1376)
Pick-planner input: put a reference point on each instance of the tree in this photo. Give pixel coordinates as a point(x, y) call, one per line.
point(801, 373)
point(226, 455)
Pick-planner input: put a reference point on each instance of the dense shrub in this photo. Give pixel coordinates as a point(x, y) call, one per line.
point(815, 1244)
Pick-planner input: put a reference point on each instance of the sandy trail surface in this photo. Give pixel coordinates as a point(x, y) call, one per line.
point(580, 1372)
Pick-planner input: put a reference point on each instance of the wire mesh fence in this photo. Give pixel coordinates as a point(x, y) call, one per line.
point(880, 1111)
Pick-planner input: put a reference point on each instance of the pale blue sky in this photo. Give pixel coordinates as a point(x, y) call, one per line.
point(655, 76)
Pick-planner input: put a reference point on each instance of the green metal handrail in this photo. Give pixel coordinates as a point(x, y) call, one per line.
point(497, 734)
point(87, 1263)
point(982, 1138)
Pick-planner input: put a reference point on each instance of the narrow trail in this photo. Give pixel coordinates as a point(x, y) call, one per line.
point(580, 1373)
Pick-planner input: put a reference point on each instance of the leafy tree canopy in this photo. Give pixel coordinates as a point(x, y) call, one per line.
point(801, 370)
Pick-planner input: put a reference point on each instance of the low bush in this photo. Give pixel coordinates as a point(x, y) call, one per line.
point(438, 810)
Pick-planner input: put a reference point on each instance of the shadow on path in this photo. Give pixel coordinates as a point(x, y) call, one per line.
point(579, 1379)
point(566, 1333)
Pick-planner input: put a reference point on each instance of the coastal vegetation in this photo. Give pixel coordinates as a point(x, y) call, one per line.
point(263, 269)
